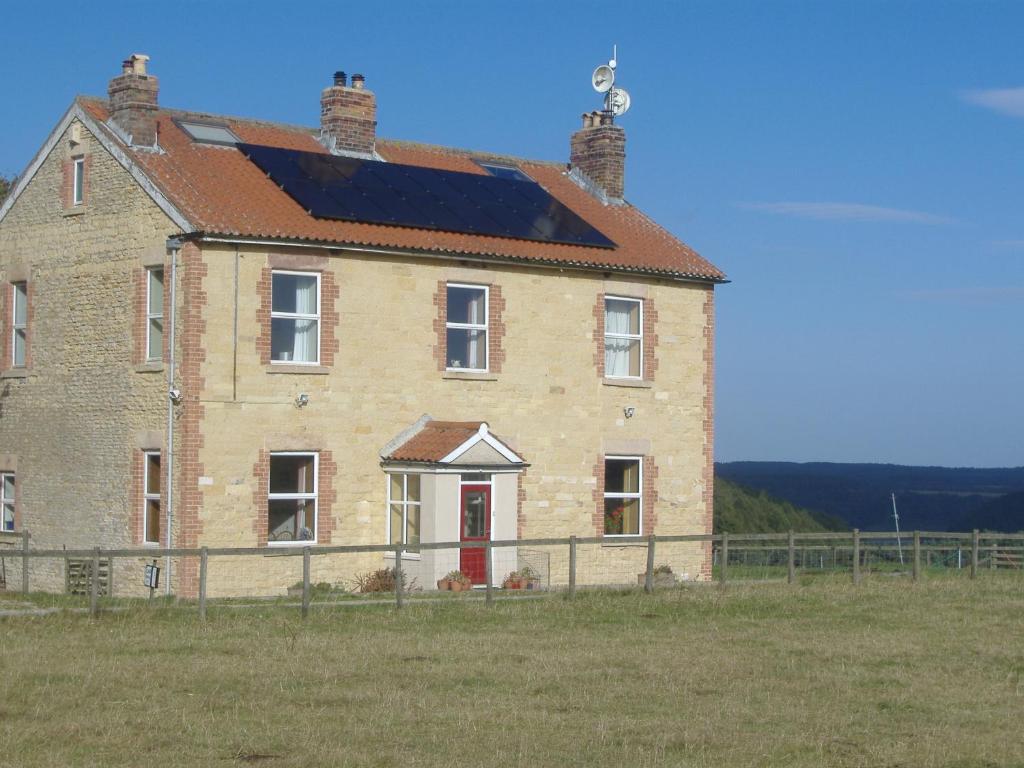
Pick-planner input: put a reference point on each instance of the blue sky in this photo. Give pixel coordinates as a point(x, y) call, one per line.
point(856, 168)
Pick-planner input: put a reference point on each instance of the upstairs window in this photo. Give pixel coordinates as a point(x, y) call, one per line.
point(19, 324)
point(292, 501)
point(78, 182)
point(502, 171)
point(467, 327)
point(208, 133)
point(623, 505)
point(151, 498)
point(154, 314)
point(7, 501)
point(623, 338)
point(295, 318)
point(404, 509)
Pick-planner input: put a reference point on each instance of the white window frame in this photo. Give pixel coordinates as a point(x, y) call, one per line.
point(15, 326)
point(151, 316)
point(296, 497)
point(639, 496)
point(78, 181)
point(485, 327)
point(4, 500)
point(405, 503)
point(148, 496)
point(630, 336)
point(296, 315)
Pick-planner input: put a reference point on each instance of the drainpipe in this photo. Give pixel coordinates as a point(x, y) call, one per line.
point(173, 397)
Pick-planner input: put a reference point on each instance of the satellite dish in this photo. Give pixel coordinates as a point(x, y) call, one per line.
point(617, 101)
point(603, 78)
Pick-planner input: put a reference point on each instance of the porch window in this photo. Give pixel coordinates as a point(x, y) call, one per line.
point(295, 318)
point(154, 314)
point(622, 497)
point(623, 337)
point(19, 324)
point(404, 509)
point(151, 498)
point(292, 501)
point(7, 501)
point(467, 327)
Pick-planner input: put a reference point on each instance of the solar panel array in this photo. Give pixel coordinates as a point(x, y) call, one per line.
point(374, 192)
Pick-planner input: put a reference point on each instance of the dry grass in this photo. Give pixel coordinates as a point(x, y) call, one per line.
point(888, 674)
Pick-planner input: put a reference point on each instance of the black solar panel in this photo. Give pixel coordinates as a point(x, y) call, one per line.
point(373, 192)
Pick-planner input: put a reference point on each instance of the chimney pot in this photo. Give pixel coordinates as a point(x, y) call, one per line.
point(138, 62)
point(358, 81)
point(340, 78)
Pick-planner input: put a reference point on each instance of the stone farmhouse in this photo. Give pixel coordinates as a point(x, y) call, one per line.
point(217, 331)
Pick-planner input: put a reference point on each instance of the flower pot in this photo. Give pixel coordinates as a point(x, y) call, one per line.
point(444, 585)
point(512, 585)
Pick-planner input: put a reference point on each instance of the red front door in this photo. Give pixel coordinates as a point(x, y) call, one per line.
point(476, 526)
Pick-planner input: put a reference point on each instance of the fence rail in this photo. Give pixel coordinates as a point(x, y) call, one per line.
point(775, 554)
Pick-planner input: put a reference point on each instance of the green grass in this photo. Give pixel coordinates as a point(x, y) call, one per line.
point(821, 673)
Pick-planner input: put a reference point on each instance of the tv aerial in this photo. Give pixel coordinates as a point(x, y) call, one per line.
point(616, 100)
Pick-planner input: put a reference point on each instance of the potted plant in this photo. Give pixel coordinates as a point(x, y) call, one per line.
point(454, 581)
point(663, 576)
point(529, 577)
point(513, 581)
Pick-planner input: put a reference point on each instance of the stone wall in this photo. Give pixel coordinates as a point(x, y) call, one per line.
point(74, 417)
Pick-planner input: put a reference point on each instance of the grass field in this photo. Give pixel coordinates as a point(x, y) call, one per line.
point(822, 673)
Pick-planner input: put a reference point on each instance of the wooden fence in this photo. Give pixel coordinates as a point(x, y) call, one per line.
point(100, 560)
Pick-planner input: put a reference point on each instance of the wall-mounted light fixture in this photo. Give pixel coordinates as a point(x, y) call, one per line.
point(302, 400)
point(629, 411)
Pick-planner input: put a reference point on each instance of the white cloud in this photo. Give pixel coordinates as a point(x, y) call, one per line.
point(1007, 101)
point(846, 212)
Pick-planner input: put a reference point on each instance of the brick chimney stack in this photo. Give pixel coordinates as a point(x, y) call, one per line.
point(348, 116)
point(598, 150)
point(133, 101)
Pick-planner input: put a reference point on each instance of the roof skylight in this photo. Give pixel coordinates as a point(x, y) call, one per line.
point(208, 133)
point(504, 171)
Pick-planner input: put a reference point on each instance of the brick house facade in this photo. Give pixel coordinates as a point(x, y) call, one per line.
point(307, 353)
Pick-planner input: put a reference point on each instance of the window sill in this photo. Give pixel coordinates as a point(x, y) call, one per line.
point(76, 210)
point(154, 367)
point(405, 555)
point(624, 541)
point(283, 547)
point(470, 375)
point(15, 373)
point(309, 370)
point(635, 383)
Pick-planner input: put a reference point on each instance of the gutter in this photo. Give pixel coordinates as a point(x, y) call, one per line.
point(173, 397)
point(482, 258)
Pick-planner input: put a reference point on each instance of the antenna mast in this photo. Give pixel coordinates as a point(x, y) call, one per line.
point(896, 517)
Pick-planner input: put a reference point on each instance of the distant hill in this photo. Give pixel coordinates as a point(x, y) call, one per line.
point(928, 498)
point(742, 510)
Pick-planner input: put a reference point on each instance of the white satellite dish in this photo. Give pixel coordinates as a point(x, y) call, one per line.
point(603, 78)
point(617, 101)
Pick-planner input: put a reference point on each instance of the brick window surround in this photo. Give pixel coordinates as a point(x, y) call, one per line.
point(326, 496)
point(67, 189)
point(648, 498)
point(7, 324)
point(329, 293)
point(495, 325)
point(650, 336)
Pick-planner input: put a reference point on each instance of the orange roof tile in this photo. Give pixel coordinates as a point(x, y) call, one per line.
point(435, 440)
point(220, 192)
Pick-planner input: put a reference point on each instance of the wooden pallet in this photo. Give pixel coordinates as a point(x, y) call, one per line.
point(78, 576)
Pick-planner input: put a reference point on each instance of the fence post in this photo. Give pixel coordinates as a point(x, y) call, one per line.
point(24, 562)
point(203, 557)
point(791, 575)
point(856, 555)
point(649, 575)
point(305, 581)
point(724, 570)
point(974, 553)
point(94, 586)
point(489, 590)
point(572, 567)
point(917, 555)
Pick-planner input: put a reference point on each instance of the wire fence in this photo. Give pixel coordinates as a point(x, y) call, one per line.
point(492, 570)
